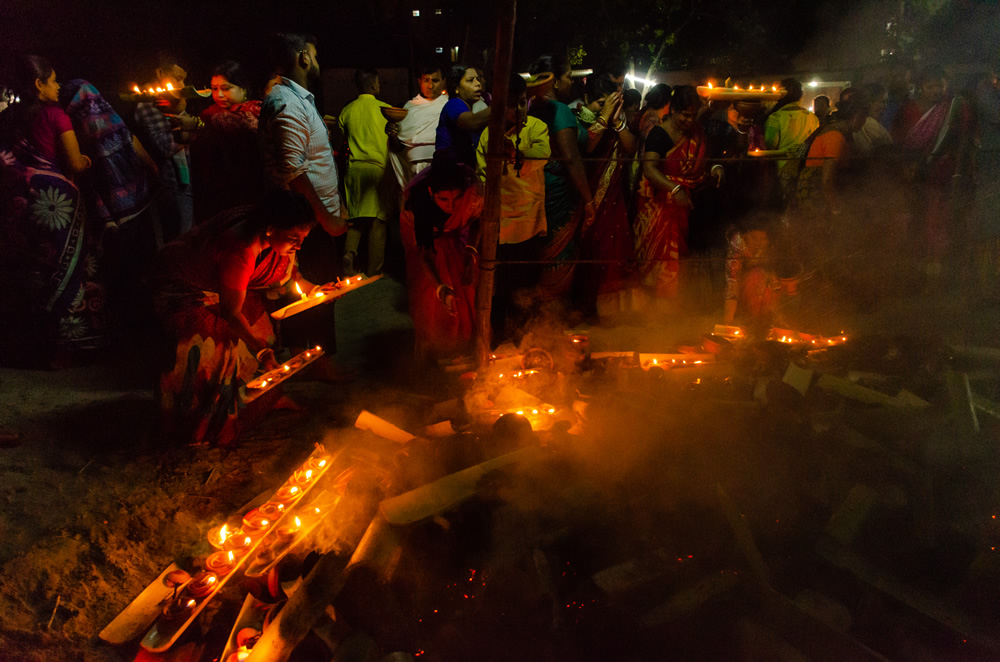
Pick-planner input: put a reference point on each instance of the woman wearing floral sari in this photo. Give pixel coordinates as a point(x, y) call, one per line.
point(211, 286)
point(672, 166)
point(46, 244)
point(607, 143)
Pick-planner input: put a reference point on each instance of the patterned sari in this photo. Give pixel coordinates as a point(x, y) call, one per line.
point(48, 257)
point(661, 225)
point(202, 392)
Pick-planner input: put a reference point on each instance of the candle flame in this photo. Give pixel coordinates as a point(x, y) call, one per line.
point(159, 89)
point(317, 510)
point(552, 411)
point(191, 603)
point(654, 361)
point(710, 86)
point(320, 294)
point(294, 490)
point(309, 474)
point(223, 533)
point(264, 522)
point(247, 541)
point(774, 88)
point(281, 506)
point(322, 463)
point(170, 86)
point(318, 348)
point(359, 277)
point(534, 411)
point(298, 522)
point(736, 87)
point(231, 557)
point(348, 281)
point(151, 90)
point(287, 368)
point(520, 412)
point(299, 290)
point(135, 88)
point(210, 579)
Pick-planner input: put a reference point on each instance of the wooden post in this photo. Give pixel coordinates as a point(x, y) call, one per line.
point(506, 12)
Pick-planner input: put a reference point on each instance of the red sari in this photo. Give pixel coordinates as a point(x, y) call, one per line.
point(438, 333)
point(609, 238)
point(661, 225)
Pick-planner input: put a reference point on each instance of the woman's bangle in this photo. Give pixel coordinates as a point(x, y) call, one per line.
point(676, 188)
point(603, 122)
point(443, 288)
point(262, 352)
point(620, 127)
point(470, 247)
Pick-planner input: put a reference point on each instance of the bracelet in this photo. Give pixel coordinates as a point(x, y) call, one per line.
point(262, 352)
point(470, 247)
point(676, 188)
point(620, 127)
point(603, 122)
point(447, 290)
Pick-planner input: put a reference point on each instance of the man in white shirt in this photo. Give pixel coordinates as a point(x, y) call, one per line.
point(294, 140)
point(411, 142)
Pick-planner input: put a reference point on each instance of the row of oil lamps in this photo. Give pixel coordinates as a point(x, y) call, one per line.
point(232, 544)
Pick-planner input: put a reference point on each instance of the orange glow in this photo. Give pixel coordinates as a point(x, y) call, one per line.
point(298, 522)
point(223, 533)
point(135, 88)
point(294, 490)
point(170, 86)
point(231, 557)
point(191, 603)
point(299, 290)
point(710, 86)
point(211, 579)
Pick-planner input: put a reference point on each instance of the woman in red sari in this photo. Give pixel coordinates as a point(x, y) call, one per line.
point(672, 166)
point(607, 143)
point(211, 286)
point(226, 167)
point(439, 228)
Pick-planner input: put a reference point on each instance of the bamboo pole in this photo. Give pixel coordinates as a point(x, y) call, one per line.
point(506, 12)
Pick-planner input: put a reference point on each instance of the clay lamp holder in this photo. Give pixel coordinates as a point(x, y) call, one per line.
point(220, 563)
point(178, 610)
point(256, 524)
point(201, 586)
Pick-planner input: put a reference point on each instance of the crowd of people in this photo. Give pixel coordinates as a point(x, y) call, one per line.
point(604, 191)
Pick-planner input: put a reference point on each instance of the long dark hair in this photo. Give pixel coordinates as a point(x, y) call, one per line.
point(29, 69)
point(232, 72)
point(454, 77)
point(684, 97)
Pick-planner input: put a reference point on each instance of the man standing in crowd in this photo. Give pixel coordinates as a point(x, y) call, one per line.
point(294, 140)
point(786, 129)
point(412, 140)
point(368, 200)
point(175, 206)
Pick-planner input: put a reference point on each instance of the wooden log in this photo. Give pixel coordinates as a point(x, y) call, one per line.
point(433, 498)
point(933, 607)
point(383, 428)
point(308, 604)
point(141, 612)
point(691, 598)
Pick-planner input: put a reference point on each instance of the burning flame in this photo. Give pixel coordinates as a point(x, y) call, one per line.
point(294, 490)
point(655, 361)
point(247, 541)
point(170, 86)
point(299, 290)
point(317, 510)
point(135, 88)
point(318, 348)
point(774, 88)
point(322, 463)
point(348, 281)
point(223, 533)
point(309, 474)
point(210, 579)
point(298, 522)
point(264, 522)
point(552, 411)
point(710, 86)
point(191, 603)
point(286, 367)
point(231, 557)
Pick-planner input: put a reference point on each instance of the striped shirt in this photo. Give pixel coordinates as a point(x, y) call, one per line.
point(294, 141)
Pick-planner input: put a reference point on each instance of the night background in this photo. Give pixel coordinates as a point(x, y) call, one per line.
point(112, 43)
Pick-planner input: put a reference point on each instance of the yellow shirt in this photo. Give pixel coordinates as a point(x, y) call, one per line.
point(522, 199)
point(363, 124)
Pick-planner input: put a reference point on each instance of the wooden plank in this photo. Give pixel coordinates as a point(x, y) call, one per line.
point(136, 618)
point(444, 493)
point(818, 640)
point(744, 537)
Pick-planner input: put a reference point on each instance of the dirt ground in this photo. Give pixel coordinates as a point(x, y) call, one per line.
point(92, 508)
